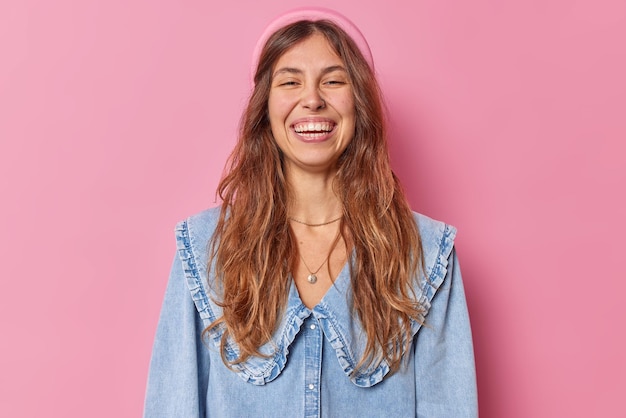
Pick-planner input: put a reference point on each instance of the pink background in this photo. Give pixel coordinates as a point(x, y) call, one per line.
point(509, 121)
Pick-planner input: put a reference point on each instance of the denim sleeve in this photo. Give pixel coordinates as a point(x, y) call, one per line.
point(444, 354)
point(179, 368)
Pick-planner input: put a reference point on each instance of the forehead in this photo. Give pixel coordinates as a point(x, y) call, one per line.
point(315, 49)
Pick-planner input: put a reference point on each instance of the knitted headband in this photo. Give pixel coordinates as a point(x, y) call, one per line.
point(314, 14)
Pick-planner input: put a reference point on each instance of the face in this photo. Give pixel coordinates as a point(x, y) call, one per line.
point(311, 106)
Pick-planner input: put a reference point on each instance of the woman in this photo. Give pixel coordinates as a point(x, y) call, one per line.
point(313, 290)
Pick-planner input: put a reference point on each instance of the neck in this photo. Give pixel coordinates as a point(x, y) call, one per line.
point(312, 198)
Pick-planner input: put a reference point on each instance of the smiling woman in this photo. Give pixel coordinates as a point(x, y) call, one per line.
point(305, 292)
point(310, 106)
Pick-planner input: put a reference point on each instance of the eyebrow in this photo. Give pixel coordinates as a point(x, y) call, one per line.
point(292, 70)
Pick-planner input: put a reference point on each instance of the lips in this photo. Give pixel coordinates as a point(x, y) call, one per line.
point(314, 130)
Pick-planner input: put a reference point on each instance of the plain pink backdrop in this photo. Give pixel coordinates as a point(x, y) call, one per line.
point(509, 121)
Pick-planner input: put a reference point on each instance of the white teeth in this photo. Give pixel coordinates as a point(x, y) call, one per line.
point(313, 127)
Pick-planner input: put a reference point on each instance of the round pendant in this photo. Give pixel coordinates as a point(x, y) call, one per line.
point(312, 278)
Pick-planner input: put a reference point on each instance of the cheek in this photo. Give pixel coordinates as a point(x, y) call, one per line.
point(277, 111)
point(274, 112)
point(349, 110)
point(280, 104)
point(347, 106)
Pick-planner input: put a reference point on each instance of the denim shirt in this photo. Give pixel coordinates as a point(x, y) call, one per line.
point(310, 368)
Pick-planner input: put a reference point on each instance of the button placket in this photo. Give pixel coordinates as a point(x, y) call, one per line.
point(313, 368)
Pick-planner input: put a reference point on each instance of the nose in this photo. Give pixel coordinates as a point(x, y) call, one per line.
point(311, 99)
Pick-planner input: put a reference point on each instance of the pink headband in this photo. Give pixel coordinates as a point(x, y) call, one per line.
point(314, 14)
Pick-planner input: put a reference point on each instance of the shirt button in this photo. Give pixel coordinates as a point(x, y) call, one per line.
point(311, 386)
point(312, 326)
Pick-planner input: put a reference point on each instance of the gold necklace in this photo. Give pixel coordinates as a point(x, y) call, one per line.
point(314, 225)
point(312, 277)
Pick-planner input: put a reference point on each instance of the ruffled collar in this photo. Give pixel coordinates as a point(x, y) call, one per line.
point(340, 327)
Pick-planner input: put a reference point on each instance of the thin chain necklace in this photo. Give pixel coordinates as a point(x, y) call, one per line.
point(314, 225)
point(312, 277)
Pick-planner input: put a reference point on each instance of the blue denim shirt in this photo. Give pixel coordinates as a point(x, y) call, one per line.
point(309, 371)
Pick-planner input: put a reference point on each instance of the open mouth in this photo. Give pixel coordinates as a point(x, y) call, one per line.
point(314, 130)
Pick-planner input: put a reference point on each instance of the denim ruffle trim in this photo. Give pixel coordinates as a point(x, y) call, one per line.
point(255, 370)
point(337, 333)
point(261, 370)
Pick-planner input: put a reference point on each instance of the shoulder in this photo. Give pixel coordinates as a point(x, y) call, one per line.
point(432, 229)
point(200, 226)
point(436, 236)
point(437, 240)
point(195, 231)
point(192, 239)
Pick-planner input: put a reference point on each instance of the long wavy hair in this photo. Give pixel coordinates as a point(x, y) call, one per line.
point(253, 248)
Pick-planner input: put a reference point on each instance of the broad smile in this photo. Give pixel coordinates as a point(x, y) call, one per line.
point(313, 129)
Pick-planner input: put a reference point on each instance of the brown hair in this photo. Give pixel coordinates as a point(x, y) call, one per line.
point(253, 247)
